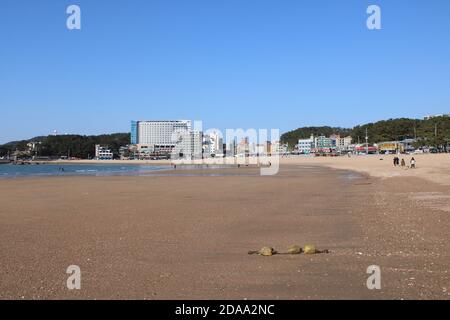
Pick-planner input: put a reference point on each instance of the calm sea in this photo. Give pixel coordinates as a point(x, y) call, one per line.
point(45, 170)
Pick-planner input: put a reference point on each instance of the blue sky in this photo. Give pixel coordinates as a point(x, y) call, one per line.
point(231, 63)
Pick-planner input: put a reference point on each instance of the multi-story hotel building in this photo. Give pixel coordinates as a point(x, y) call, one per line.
point(157, 132)
point(172, 137)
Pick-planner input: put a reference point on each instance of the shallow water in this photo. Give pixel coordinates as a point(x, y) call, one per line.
point(50, 170)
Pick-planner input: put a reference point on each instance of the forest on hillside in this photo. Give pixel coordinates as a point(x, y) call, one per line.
point(69, 145)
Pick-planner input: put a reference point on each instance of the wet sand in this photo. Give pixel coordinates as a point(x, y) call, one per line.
point(187, 237)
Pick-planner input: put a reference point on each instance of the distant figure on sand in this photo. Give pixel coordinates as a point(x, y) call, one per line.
point(403, 163)
point(413, 163)
point(396, 161)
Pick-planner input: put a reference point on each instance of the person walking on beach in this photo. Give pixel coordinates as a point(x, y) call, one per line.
point(396, 159)
point(403, 163)
point(413, 163)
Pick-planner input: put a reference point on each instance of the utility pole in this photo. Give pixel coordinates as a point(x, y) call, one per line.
point(367, 143)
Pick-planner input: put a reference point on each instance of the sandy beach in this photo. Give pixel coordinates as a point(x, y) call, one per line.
point(187, 237)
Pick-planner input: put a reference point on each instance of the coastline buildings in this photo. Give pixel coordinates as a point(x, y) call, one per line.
point(322, 144)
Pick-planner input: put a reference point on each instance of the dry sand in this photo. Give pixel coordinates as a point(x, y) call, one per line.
point(432, 167)
point(184, 237)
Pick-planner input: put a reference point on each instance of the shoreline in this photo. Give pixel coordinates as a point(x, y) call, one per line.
point(431, 167)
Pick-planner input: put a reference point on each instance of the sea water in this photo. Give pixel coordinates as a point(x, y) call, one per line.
point(46, 170)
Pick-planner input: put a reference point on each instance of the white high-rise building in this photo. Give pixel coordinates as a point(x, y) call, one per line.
point(189, 145)
point(216, 143)
point(156, 133)
point(157, 138)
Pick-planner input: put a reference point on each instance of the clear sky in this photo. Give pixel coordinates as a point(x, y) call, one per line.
point(231, 63)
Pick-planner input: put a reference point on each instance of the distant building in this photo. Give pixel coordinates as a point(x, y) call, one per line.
point(155, 139)
point(436, 116)
point(344, 144)
point(408, 145)
point(212, 145)
point(103, 153)
point(125, 152)
point(321, 143)
point(305, 145)
point(268, 147)
point(363, 149)
point(231, 149)
point(390, 147)
point(280, 148)
point(260, 149)
point(189, 145)
point(157, 132)
point(243, 148)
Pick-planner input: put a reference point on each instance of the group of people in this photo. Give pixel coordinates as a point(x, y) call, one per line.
point(402, 163)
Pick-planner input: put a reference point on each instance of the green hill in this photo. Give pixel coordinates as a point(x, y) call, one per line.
point(74, 145)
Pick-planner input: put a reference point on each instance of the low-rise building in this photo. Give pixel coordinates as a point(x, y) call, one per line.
point(103, 153)
point(323, 144)
point(305, 145)
point(390, 147)
point(344, 143)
